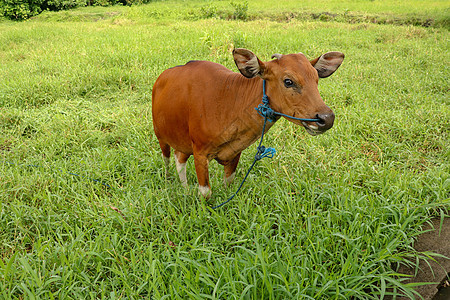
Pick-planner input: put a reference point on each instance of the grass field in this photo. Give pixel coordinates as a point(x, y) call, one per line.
point(329, 217)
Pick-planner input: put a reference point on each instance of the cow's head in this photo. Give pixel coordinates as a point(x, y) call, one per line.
point(292, 84)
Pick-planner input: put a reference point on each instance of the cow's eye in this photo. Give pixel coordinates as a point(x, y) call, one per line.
point(288, 83)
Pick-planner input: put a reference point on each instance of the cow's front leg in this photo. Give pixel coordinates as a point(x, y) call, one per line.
point(230, 169)
point(201, 168)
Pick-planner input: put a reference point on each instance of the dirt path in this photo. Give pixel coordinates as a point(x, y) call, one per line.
point(436, 241)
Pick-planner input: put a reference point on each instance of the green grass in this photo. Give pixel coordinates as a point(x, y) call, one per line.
point(435, 13)
point(329, 217)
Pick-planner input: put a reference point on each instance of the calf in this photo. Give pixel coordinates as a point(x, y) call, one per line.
point(206, 110)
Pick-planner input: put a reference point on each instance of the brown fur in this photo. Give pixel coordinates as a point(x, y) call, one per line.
point(206, 110)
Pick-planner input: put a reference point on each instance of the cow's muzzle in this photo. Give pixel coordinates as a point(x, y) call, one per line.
point(325, 122)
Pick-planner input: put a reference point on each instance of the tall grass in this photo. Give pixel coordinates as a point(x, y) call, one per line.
point(329, 217)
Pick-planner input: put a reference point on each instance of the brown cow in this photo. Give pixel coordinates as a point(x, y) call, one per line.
point(206, 110)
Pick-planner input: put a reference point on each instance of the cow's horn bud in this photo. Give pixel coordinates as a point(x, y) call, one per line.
point(277, 55)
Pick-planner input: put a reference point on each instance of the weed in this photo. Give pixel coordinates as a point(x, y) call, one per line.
point(240, 10)
point(209, 11)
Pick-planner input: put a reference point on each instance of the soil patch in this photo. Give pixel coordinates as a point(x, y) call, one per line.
point(437, 240)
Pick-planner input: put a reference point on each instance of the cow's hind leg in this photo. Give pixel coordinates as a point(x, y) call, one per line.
point(165, 148)
point(180, 160)
point(230, 169)
point(201, 168)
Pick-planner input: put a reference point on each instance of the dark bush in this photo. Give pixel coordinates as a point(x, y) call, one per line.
point(20, 9)
point(56, 5)
point(24, 9)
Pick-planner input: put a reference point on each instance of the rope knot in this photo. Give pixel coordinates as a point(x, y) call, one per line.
point(265, 152)
point(264, 110)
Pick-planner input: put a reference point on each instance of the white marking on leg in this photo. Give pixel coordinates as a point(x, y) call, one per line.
point(181, 169)
point(205, 191)
point(229, 179)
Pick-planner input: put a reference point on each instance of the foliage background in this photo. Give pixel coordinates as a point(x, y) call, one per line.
point(25, 9)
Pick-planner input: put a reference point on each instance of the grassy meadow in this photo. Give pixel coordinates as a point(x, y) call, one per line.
point(329, 217)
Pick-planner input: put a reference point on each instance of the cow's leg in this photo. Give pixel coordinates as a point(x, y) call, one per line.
point(180, 160)
point(165, 148)
point(230, 169)
point(201, 168)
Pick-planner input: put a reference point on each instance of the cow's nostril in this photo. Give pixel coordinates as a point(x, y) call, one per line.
point(325, 121)
point(321, 121)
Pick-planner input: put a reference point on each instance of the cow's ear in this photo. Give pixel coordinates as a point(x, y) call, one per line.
point(248, 64)
point(327, 63)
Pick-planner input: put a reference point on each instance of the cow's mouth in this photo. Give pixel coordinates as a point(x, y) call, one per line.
point(312, 129)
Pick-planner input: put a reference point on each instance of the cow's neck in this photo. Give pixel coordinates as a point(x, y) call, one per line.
point(251, 101)
point(246, 124)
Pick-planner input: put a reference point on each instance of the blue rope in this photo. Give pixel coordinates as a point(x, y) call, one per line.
point(270, 115)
